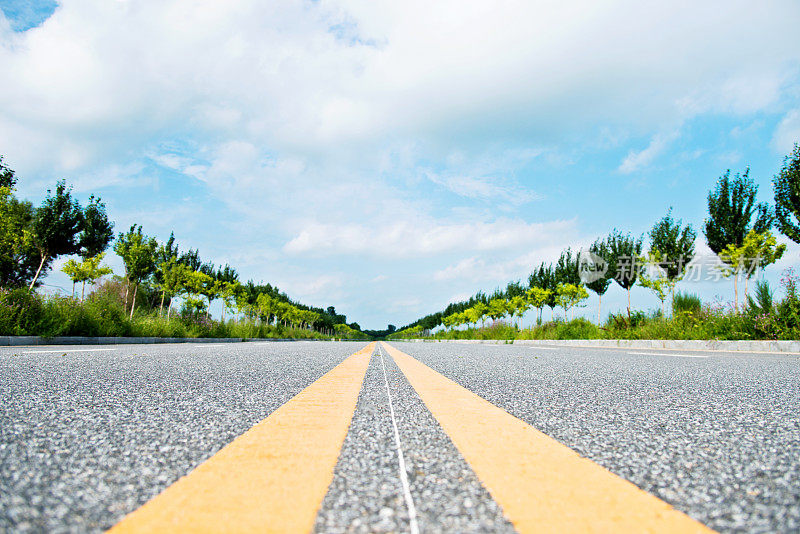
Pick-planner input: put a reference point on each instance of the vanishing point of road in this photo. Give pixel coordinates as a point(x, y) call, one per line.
point(397, 437)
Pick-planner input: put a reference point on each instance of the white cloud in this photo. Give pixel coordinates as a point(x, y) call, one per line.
point(424, 238)
point(308, 127)
point(788, 132)
point(635, 161)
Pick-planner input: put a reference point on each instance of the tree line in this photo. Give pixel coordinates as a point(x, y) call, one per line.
point(32, 237)
point(737, 229)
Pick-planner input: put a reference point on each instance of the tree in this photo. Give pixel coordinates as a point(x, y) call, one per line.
point(88, 270)
point(655, 278)
point(544, 277)
point(787, 196)
point(19, 257)
point(94, 270)
point(497, 309)
point(672, 247)
point(566, 269)
point(758, 251)
point(172, 281)
point(600, 280)
point(97, 232)
point(7, 178)
point(569, 296)
point(228, 292)
point(623, 254)
point(518, 305)
point(194, 285)
point(138, 253)
point(538, 299)
point(731, 208)
point(55, 226)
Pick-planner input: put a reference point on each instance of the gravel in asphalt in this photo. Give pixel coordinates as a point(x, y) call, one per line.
point(717, 436)
point(87, 437)
point(366, 494)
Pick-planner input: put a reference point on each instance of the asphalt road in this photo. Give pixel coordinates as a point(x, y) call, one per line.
point(88, 436)
point(717, 435)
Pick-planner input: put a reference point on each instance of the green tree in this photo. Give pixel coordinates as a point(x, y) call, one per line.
point(538, 299)
point(544, 277)
point(733, 212)
point(758, 251)
point(624, 251)
point(655, 278)
point(566, 269)
point(601, 284)
point(172, 279)
point(7, 178)
point(194, 286)
point(55, 227)
point(570, 295)
point(19, 257)
point(88, 270)
point(97, 232)
point(497, 309)
point(787, 196)
point(518, 305)
point(138, 253)
point(672, 247)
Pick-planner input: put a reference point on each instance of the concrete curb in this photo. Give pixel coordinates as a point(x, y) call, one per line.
point(14, 341)
point(667, 344)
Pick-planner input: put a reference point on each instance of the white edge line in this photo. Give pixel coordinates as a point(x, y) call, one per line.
point(671, 355)
point(412, 511)
point(63, 351)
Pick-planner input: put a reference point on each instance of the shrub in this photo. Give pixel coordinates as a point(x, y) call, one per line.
point(686, 302)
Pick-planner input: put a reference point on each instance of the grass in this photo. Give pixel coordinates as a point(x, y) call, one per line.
point(23, 313)
point(760, 319)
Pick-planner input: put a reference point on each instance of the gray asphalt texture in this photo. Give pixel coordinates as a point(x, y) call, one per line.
point(718, 437)
point(366, 494)
point(87, 437)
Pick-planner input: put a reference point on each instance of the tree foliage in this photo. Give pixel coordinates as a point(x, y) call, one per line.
point(733, 212)
point(56, 226)
point(672, 245)
point(787, 196)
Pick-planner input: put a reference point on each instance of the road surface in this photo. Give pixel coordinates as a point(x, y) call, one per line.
point(397, 437)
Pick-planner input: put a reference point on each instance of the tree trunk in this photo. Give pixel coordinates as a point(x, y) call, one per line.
point(629, 306)
point(38, 271)
point(736, 292)
point(744, 297)
point(83, 288)
point(599, 304)
point(672, 298)
point(169, 309)
point(127, 288)
point(73, 289)
point(161, 308)
point(133, 303)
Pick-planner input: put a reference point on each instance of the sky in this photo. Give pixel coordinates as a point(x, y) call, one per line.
point(390, 157)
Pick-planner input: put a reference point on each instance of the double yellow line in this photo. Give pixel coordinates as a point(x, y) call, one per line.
point(274, 477)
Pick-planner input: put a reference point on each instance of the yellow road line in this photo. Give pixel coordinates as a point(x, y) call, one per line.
point(542, 485)
point(273, 477)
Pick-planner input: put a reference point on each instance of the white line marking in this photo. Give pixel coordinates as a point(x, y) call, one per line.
point(671, 355)
point(412, 511)
point(63, 351)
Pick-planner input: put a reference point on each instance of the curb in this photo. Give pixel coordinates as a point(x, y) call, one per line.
point(666, 344)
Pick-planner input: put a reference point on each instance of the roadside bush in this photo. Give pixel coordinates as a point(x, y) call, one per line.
point(686, 302)
point(21, 312)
